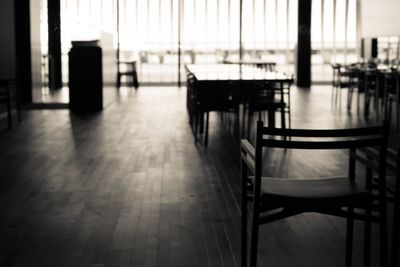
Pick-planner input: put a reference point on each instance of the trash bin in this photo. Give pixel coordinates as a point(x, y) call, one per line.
point(85, 77)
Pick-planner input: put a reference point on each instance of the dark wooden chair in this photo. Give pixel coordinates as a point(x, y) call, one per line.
point(127, 69)
point(345, 77)
point(191, 98)
point(214, 96)
point(7, 97)
point(340, 81)
point(282, 89)
point(353, 84)
point(391, 92)
point(371, 89)
point(371, 157)
point(278, 198)
point(271, 97)
point(394, 166)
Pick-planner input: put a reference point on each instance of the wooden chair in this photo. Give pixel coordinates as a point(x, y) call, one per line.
point(129, 71)
point(271, 97)
point(7, 97)
point(278, 198)
point(395, 251)
point(353, 85)
point(214, 96)
point(190, 97)
point(340, 80)
point(371, 157)
point(371, 89)
point(391, 92)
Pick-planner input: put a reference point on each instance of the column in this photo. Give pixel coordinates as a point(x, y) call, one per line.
point(303, 53)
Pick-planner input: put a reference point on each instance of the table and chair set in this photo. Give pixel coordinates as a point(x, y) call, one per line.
point(369, 192)
point(229, 88)
point(379, 84)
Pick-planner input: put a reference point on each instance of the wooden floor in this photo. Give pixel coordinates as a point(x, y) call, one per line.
point(128, 187)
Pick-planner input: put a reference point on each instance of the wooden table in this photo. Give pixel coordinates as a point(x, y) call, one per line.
point(234, 73)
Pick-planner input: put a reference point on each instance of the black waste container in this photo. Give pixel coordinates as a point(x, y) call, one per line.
point(85, 77)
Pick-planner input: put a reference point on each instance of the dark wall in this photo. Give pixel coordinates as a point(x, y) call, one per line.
point(7, 40)
point(23, 50)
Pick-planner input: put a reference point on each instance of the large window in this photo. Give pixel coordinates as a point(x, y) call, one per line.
point(208, 31)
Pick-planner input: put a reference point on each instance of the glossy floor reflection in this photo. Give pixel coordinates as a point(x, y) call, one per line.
point(128, 187)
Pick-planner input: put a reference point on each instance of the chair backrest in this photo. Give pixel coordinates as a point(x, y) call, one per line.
point(215, 96)
point(324, 139)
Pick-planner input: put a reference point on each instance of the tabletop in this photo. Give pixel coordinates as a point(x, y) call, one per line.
point(234, 72)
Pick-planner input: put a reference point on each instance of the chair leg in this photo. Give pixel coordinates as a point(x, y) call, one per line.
point(283, 121)
point(202, 122)
point(18, 100)
point(366, 103)
point(349, 237)
point(337, 95)
point(206, 136)
point(244, 219)
point(249, 120)
point(271, 118)
point(367, 223)
point(349, 98)
point(254, 241)
point(395, 235)
point(118, 80)
point(383, 236)
point(397, 114)
point(196, 126)
point(19, 111)
point(367, 239)
point(243, 121)
point(9, 112)
point(237, 123)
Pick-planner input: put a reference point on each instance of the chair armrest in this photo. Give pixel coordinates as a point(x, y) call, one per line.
point(248, 154)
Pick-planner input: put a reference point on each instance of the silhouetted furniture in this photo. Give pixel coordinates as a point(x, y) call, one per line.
point(85, 77)
point(238, 78)
point(224, 98)
point(190, 97)
point(371, 89)
point(278, 198)
point(392, 91)
point(7, 97)
point(394, 166)
point(353, 73)
point(129, 71)
point(393, 191)
point(343, 78)
point(272, 97)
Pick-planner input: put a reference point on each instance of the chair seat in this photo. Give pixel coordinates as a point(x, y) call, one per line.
point(313, 193)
